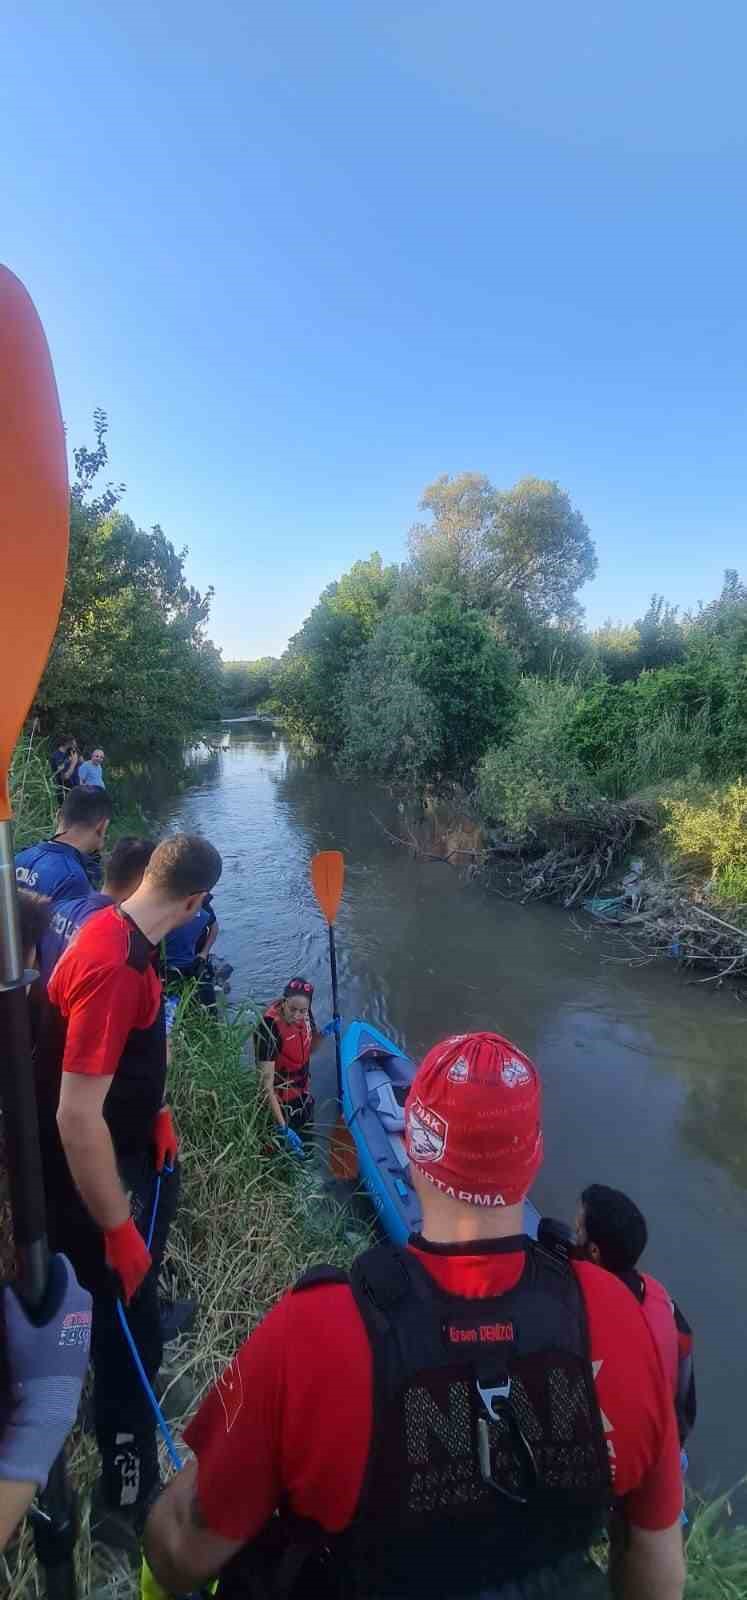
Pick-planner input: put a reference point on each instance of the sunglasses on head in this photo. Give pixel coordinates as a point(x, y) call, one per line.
point(298, 986)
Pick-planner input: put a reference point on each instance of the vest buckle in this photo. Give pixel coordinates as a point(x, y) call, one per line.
point(496, 1401)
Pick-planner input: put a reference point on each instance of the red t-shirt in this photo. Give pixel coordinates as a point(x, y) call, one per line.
point(291, 1418)
point(104, 986)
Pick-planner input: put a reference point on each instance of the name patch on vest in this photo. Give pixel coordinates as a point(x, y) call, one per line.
point(477, 1331)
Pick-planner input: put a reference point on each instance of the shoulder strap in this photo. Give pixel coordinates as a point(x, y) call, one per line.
point(380, 1276)
point(317, 1276)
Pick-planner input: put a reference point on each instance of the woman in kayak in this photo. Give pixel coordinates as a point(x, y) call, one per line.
point(285, 1040)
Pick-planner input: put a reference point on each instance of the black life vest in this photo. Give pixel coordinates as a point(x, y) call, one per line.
point(487, 1463)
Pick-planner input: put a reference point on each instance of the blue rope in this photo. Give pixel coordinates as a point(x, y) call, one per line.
point(168, 1440)
point(171, 1449)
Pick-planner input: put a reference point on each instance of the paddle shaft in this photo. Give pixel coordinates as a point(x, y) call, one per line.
point(54, 1517)
point(335, 1010)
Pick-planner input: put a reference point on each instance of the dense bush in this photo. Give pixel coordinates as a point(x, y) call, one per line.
point(428, 694)
point(536, 773)
point(711, 829)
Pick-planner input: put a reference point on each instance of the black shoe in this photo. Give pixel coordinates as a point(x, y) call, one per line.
point(118, 1527)
point(177, 1316)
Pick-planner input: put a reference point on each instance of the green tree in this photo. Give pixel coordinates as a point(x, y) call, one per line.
point(617, 646)
point(660, 634)
point(130, 662)
point(437, 680)
point(309, 687)
point(521, 551)
point(245, 685)
point(542, 547)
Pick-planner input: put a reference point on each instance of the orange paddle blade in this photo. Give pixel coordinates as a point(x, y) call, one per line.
point(343, 1156)
point(328, 878)
point(34, 512)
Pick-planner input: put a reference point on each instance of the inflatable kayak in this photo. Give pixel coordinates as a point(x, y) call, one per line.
point(376, 1076)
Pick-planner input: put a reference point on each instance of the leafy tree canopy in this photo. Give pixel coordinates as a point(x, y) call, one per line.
point(130, 662)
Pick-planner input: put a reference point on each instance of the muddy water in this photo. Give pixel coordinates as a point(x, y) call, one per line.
point(645, 1076)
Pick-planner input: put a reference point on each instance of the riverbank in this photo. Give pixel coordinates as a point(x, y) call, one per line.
point(617, 862)
point(418, 952)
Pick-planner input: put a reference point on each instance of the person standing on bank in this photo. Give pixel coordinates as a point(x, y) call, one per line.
point(284, 1043)
point(62, 868)
point(123, 874)
point(612, 1231)
point(453, 1419)
point(64, 763)
point(101, 1059)
point(90, 772)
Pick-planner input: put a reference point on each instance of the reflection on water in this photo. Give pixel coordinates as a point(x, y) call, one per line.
point(643, 1072)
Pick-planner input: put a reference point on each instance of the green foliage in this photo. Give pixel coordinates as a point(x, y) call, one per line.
point(246, 685)
point(468, 676)
point(730, 883)
point(309, 688)
point(32, 793)
point(711, 829)
point(544, 551)
point(657, 639)
point(716, 1550)
point(535, 775)
point(391, 725)
point(130, 662)
point(491, 582)
point(498, 550)
point(617, 646)
point(603, 724)
point(427, 694)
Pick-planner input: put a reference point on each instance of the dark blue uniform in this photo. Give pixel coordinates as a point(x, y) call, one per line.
point(67, 918)
point(182, 943)
point(55, 869)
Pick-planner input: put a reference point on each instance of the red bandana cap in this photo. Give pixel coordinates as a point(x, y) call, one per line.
point(472, 1119)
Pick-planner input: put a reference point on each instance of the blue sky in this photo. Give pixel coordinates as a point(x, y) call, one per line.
point(308, 256)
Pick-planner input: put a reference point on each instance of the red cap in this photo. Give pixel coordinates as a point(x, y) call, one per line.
point(472, 1119)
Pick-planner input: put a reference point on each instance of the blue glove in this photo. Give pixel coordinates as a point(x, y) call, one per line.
point(330, 1028)
point(47, 1359)
point(295, 1145)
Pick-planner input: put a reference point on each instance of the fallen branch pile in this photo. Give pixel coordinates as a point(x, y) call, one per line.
point(582, 850)
point(670, 923)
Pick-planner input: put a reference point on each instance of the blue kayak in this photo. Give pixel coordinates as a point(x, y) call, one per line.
point(376, 1077)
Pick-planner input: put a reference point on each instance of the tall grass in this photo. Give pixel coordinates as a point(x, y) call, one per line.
point(669, 745)
point(716, 1553)
point(251, 1220)
point(32, 792)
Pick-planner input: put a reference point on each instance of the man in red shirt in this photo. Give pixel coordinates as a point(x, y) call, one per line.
point(456, 1418)
point(106, 1133)
point(612, 1231)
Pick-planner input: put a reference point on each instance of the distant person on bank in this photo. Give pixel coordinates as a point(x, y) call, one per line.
point(64, 763)
point(90, 773)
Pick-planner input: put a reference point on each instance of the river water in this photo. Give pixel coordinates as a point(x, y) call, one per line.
point(644, 1071)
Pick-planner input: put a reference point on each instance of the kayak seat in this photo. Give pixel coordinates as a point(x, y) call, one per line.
point(383, 1100)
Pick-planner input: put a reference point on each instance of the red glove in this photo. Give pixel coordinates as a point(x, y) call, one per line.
point(165, 1139)
point(128, 1255)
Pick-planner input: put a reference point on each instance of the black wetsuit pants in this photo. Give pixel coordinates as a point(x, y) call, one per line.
point(124, 1422)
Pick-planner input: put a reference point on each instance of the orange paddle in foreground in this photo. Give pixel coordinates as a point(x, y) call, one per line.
point(34, 513)
point(328, 881)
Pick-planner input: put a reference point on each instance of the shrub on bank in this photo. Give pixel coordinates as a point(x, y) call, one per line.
point(711, 830)
point(535, 775)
